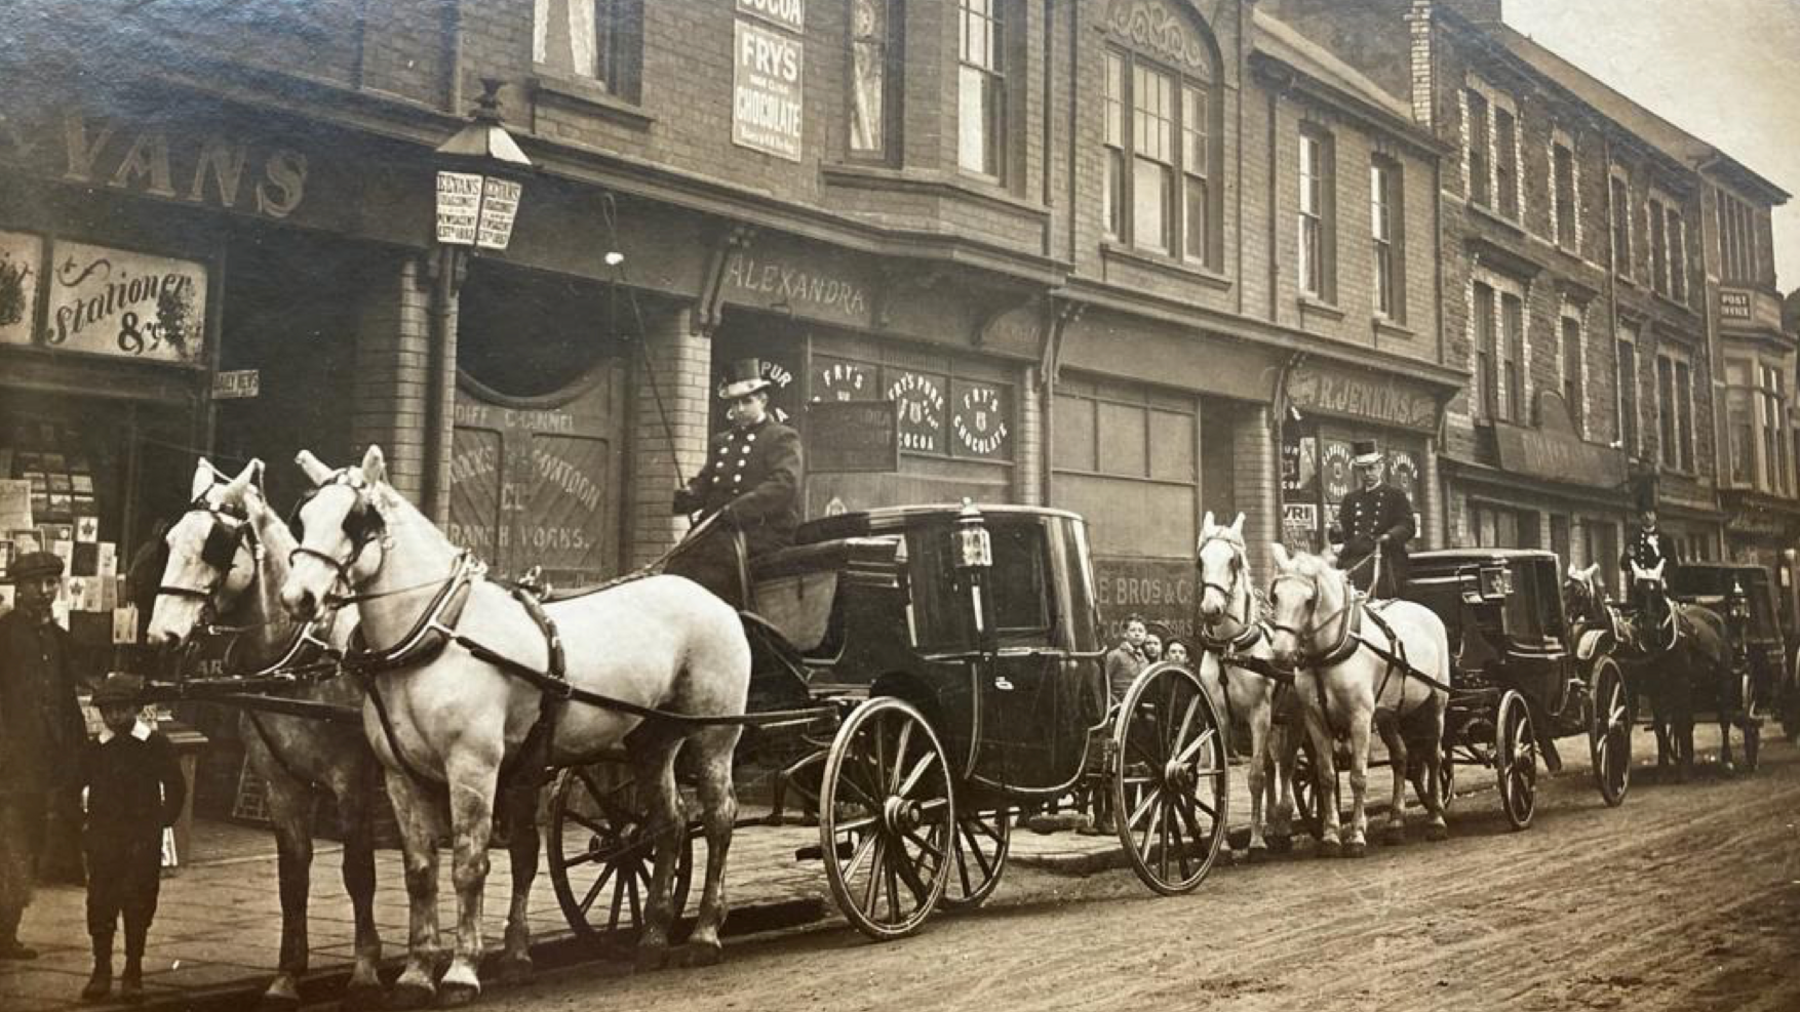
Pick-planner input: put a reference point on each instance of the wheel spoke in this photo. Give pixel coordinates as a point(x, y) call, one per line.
point(927, 847)
point(594, 890)
point(579, 858)
point(905, 788)
point(861, 852)
point(894, 779)
point(877, 871)
point(1187, 724)
point(1198, 743)
point(909, 874)
point(854, 825)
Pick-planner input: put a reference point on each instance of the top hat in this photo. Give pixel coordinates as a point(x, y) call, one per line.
point(33, 565)
point(1366, 453)
point(745, 377)
point(119, 688)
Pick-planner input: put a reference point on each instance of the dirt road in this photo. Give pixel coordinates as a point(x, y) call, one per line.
point(1686, 898)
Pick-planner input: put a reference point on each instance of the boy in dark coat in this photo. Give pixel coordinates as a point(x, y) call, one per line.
point(134, 789)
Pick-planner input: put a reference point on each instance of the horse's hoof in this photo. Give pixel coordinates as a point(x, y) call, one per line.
point(696, 954)
point(1257, 855)
point(1393, 836)
point(360, 997)
point(457, 995)
point(1436, 833)
point(515, 970)
point(1329, 849)
point(1355, 849)
point(411, 995)
point(1280, 844)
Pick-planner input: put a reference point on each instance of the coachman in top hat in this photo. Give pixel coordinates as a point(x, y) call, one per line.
point(751, 480)
point(1374, 518)
point(1648, 549)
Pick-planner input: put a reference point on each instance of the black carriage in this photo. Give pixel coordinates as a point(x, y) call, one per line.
point(1739, 593)
point(958, 651)
point(1522, 676)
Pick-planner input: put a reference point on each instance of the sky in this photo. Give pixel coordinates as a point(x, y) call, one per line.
point(1726, 71)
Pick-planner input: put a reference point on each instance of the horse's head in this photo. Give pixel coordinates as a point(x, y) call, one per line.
point(212, 554)
point(1305, 587)
point(342, 529)
point(1585, 591)
point(1221, 558)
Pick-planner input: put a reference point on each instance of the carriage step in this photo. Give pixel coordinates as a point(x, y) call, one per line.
point(817, 853)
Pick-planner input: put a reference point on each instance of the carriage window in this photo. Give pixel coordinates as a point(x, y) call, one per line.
point(1017, 586)
point(1017, 580)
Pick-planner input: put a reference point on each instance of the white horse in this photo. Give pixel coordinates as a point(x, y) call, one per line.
point(441, 717)
point(1358, 670)
point(228, 554)
point(1229, 624)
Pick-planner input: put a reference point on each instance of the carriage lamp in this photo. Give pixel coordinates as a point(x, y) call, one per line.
point(478, 189)
point(1737, 606)
point(1496, 582)
point(974, 547)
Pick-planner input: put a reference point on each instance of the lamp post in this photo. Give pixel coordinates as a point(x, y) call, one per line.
point(479, 186)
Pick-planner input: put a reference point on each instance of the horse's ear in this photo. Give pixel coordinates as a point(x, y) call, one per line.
point(315, 469)
point(1573, 573)
point(1237, 526)
point(1590, 572)
point(374, 466)
point(1329, 558)
point(1206, 524)
point(235, 489)
point(204, 476)
point(1279, 552)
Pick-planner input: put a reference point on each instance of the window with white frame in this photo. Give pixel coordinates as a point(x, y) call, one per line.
point(1675, 409)
point(981, 87)
point(1512, 359)
point(1506, 161)
point(874, 77)
point(1655, 211)
point(1317, 228)
point(1627, 382)
point(1565, 195)
point(1760, 441)
point(585, 40)
point(1772, 419)
point(1573, 370)
point(1487, 365)
point(1677, 232)
point(1620, 209)
point(1158, 193)
point(1492, 136)
point(1387, 222)
point(1740, 246)
point(1476, 126)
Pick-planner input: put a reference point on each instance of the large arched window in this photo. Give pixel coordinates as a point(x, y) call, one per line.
point(1162, 108)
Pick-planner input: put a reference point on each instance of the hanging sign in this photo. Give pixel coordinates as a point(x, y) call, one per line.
point(766, 91)
point(114, 302)
point(458, 207)
point(21, 257)
point(789, 14)
point(236, 384)
point(499, 206)
point(852, 435)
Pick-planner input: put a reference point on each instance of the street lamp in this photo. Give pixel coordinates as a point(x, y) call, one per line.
point(479, 186)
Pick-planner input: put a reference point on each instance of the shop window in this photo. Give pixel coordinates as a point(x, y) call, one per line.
point(595, 41)
point(1387, 228)
point(1559, 541)
point(1573, 373)
point(1503, 527)
point(942, 412)
point(1159, 158)
point(1621, 226)
point(1566, 211)
point(1317, 214)
point(981, 87)
point(875, 65)
point(1128, 454)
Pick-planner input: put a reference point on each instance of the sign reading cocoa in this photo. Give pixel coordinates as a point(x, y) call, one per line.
point(789, 14)
point(920, 400)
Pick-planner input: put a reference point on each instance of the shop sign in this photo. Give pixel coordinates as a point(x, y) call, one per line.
point(236, 384)
point(920, 400)
point(852, 435)
point(21, 257)
point(1403, 472)
point(1300, 525)
point(1734, 304)
point(979, 421)
point(458, 207)
point(1554, 451)
point(789, 14)
point(1334, 469)
point(778, 281)
point(1161, 590)
point(114, 302)
point(842, 380)
point(1369, 398)
point(766, 94)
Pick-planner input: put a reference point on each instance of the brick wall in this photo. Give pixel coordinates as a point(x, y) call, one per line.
point(388, 401)
point(1255, 481)
point(661, 456)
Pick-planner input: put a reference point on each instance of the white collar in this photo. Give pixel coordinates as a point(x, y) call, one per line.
point(139, 730)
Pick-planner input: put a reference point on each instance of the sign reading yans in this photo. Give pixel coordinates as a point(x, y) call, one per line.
point(852, 435)
point(113, 302)
point(21, 257)
point(789, 14)
point(766, 94)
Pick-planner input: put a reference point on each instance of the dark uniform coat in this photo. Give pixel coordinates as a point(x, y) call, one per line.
point(752, 475)
point(41, 728)
point(1648, 549)
point(1365, 518)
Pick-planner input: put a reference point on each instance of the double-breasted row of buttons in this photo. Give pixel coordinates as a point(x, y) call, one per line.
point(725, 457)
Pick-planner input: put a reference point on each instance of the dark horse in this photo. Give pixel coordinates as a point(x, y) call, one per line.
point(1679, 654)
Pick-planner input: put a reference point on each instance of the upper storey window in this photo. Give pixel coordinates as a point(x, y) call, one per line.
point(874, 81)
point(1162, 163)
point(981, 87)
point(588, 40)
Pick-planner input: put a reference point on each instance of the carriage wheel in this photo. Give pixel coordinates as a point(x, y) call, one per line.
point(1609, 733)
point(1169, 790)
point(1515, 760)
point(983, 841)
point(886, 814)
point(1305, 788)
point(601, 856)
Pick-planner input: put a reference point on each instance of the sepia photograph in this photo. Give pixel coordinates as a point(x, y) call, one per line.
point(900, 505)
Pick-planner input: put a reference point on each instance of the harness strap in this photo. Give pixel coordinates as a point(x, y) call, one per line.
point(275, 753)
point(372, 686)
point(534, 752)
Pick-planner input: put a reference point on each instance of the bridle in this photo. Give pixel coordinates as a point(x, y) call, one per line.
point(363, 525)
point(1248, 629)
point(1312, 626)
point(230, 532)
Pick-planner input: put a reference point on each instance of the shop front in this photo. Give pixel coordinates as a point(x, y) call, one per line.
point(1764, 530)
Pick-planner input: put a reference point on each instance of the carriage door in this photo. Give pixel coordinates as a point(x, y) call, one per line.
point(537, 484)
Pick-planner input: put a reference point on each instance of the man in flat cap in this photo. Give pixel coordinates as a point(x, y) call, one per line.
point(751, 480)
point(40, 726)
point(1374, 518)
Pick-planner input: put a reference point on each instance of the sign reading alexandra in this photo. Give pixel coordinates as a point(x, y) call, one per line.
point(1553, 450)
point(113, 302)
point(766, 94)
point(789, 14)
point(1313, 387)
point(852, 436)
point(817, 290)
